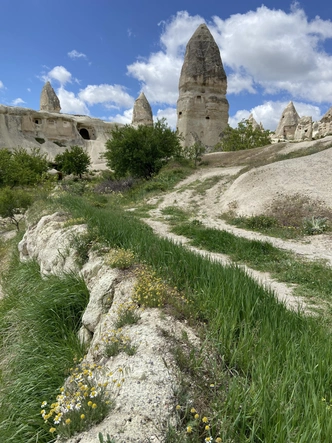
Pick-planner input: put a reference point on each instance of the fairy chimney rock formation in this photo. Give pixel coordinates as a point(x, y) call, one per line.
point(253, 122)
point(202, 107)
point(49, 100)
point(142, 113)
point(288, 123)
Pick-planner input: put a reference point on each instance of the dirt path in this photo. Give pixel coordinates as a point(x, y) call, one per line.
point(204, 207)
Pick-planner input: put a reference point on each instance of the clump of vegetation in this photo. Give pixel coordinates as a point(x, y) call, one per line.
point(299, 211)
point(13, 204)
point(194, 427)
point(116, 341)
point(194, 152)
point(143, 151)
point(109, 185)
point(245, 136)
point(101, 438)
point(83, 401)
point(128, 314)
point(120, 258)
point(150, 290)
point(73, 161)
point(315, 225)
point(18, 167)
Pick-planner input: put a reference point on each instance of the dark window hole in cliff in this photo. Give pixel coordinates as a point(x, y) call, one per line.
point(207, 118)
point(84, 133)
point(37, 121)
point(199, 97)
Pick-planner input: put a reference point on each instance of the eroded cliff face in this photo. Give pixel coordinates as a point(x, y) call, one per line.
point(52, 132)
point(202, 107)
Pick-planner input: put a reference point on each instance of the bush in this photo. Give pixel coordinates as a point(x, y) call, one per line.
point(143, 151)
point(13, 203)
point(73, 161)
point(20, 168)
point(243, 137)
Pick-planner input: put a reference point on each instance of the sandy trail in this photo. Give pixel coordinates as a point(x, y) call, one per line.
point(205, 207)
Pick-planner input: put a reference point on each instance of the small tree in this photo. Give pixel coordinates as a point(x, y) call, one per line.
point(13, 203)
point(18, 167)
point(73, 161)
point(245, 136)
point(194, 152)
point(143, 151)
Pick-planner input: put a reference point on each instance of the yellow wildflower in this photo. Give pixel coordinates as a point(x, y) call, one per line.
point(189, 429)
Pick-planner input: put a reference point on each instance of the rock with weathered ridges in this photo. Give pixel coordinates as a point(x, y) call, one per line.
point(253, 122)
point(49, 101)
point(142, 113)
point(303, 130)
point(53, 132)
point(287, 123)
point(202, 107)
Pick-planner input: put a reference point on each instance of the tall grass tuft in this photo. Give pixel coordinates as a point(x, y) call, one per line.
point(39, 321)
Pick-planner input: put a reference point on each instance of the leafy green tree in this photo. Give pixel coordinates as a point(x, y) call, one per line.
point(194, 152)
point(18, 167)
point(13, 203)
point(245, 136)
point(73, 161)
point(143, 151)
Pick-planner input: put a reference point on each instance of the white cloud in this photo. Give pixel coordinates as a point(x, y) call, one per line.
point(29, 89)
point(265, 50)
point(159, 74)
point(124, 118)
point(280, 51)
point(2, 86)
point(70, 103)
point(18, 101)
point(75, 54)
point(106, 94)
point(170, 115)
point(58, 73)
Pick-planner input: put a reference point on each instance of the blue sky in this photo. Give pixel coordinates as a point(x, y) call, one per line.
point(100, 54)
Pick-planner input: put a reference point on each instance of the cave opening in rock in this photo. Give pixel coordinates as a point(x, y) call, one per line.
point(84, 133)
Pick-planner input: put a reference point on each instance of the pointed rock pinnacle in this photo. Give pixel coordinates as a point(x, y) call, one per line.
point(49, 100)
point(142, 113)
point(202, 107)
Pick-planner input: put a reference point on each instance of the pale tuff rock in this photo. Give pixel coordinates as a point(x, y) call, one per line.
point(53, 132)
point(145, 400)
point(142, 113)
point(49, 101)
point(288, 123)
point(49, 243)
point(254, 123)
point(304, 128)
point(202, 107)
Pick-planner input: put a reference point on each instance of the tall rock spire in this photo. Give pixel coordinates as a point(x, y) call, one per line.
point(49, 100)
point(142, 113)
point(202, 107)
point(287, 123)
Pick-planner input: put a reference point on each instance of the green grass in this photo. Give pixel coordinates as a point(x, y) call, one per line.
point(39, 321)
point(278, 363)
point(313, 278)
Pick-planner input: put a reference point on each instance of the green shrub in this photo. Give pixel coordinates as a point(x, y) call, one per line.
point(14, 203)
point(73, 161)
point(245, 136)
point(18, 167)
point(143, 151)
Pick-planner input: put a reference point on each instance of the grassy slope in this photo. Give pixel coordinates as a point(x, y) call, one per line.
point(280, 361)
